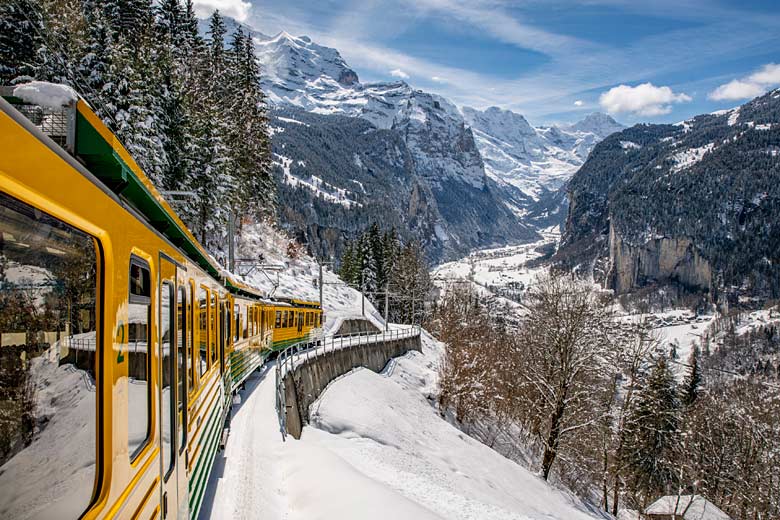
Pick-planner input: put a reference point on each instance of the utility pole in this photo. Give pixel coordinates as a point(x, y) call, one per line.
point(231, 241)
point(386, 306)
point(320, 284)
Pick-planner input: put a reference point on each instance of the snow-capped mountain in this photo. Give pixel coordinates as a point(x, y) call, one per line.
point(444, 171)
point(693, 205)
point(534, 160)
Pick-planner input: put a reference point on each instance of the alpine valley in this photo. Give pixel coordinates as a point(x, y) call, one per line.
point(455, 178)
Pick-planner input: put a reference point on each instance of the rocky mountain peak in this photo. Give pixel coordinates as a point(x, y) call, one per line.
point(597, 123)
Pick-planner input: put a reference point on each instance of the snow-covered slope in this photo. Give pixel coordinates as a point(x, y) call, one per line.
point(534, 160)
point(376, 449)
point(296, 277)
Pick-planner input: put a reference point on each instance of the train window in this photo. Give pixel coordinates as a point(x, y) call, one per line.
point(168, 401)
point(278, 322)
point(192, 358)
point(285, 322)
point(246, 321)
point(213, 316)
point(48, 324)
point(139, 391)
point(203, 331)
point(236, 322)
point(182, 362)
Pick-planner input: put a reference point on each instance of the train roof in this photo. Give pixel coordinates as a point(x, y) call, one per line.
point(106, 158)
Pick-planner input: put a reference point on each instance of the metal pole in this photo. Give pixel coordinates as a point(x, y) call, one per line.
point(320, 286)
point(362, 295)
point(386, 306)
point(231, 242)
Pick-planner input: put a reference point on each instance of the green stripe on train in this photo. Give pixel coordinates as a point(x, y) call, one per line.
point(199, 477)
point(281, 345)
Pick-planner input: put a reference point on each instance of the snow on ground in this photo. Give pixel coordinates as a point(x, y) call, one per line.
point(316, 185)
point(492, 270)
point(689, 157)
point(377, 449)
point(298, 277)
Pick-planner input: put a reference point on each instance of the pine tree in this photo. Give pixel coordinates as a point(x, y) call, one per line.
point(653, 434)
point(21, 27)
point(250, 159)
point(96, 69)
point(368, 266)
point(692, 382)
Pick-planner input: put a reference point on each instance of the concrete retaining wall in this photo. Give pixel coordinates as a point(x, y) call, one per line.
point(305, 384)
point(354, 325)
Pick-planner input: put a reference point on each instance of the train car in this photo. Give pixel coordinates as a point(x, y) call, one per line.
point(120, 338)
point(294, 321)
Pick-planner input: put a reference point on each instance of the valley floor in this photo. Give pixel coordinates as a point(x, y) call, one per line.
point(376, 448)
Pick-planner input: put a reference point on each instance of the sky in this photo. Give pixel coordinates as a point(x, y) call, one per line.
point(550, 60)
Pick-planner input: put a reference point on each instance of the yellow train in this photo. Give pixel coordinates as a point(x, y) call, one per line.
point(121, 340)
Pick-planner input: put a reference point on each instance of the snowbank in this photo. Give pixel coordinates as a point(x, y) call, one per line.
point(49, 95)
point(379, 449)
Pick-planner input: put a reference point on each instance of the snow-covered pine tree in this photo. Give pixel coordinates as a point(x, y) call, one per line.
point(95, 68)
point(250, 146)
point(653, 435)
point(368, 265)
point(391, 247)
point(21, 27)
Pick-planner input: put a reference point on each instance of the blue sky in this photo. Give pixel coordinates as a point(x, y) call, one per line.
point(553, 60)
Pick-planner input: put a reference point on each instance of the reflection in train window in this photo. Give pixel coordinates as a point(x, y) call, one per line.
point(213, 314)
point(168, 408)
point(48, 355)
point(137, 354)
point(182, 360)
point(236, 322)
point(203, 330)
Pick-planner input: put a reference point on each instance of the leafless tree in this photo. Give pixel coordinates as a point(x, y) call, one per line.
point(564, 346)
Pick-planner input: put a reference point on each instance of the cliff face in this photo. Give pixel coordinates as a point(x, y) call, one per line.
point(660, 260)
point(695, 204)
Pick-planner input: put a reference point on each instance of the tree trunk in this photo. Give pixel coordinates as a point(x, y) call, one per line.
point(553, 438)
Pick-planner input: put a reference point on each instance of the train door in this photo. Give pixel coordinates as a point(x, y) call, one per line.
point(224, 324)
point(167, 398)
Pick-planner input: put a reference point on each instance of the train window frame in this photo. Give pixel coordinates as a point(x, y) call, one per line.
point(99, 481)
point(236, 323)
point(214, 332)
point(182, 328)
point(203, 319)
point(168, 288)
point(278, 320)
point(245, 328)
point(141, 299)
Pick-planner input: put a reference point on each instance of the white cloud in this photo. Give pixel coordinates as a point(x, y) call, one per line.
point(750, 87)
point(736, 89)
point(237, 9)
point(398, 73)
point(439, 79)
point(578, 103)
point(644, 100)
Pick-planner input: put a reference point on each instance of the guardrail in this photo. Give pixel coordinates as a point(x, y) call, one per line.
point(299, 353)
